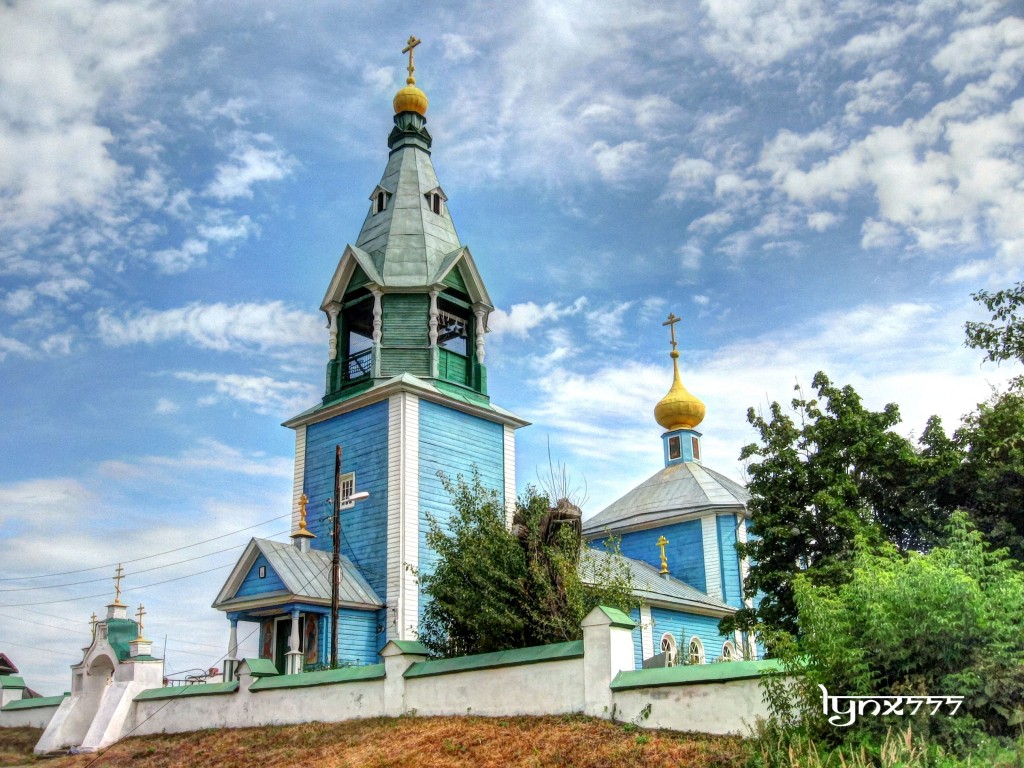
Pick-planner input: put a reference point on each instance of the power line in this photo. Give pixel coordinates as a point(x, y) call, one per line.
point(145, 557)
point(133, 573)
point(131, 589)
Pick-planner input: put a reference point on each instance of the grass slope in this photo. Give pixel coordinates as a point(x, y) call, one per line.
point(408, 742)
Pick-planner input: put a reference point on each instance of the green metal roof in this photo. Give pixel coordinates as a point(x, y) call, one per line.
point(120, 634)
point(512, 658)
point(11, 681)
point(261, 667)
point(182, 691)
point(37, 703)
point(411, 646)
point(324, 677)
point(617, 617)
point(693, 674)
point(407, 242)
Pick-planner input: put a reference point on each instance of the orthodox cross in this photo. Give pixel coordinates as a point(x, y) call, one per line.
point(413, 42)
point(117, 584)
point(139, 614)
point(671, 323)
point(661, 543)
point(92, 623)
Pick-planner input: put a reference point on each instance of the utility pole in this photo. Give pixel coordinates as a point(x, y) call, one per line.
point(336, 557)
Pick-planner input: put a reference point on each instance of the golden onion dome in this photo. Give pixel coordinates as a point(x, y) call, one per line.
point(411, 99)
point(679, 409)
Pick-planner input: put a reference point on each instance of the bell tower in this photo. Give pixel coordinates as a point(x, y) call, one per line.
point(406, 387)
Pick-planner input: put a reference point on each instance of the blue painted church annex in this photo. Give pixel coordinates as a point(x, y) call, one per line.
point(405, 398)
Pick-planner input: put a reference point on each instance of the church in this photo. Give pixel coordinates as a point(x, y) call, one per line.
point(406, 398)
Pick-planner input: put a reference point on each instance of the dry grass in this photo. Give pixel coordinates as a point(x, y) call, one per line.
point(16, 745)
point(408, 742)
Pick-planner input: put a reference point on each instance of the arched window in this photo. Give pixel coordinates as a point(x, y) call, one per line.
point(729, 651)
point(668, 647)
point(696, 651)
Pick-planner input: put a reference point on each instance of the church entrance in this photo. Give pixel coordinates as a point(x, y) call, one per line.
point(282, 633)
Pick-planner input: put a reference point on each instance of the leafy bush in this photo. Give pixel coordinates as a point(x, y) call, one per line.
point(944, 623)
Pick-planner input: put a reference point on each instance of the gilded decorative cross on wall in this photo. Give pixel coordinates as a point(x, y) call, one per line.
point(662, 542)
point(671, 323)
point(119, 574)
point(413, 42)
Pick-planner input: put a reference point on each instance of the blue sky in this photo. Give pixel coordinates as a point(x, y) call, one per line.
point(808, 184)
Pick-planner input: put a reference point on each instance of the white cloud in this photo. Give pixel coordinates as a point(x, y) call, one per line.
point(263, 394)
point(380, 79)
point(617, 162)
point(983, 50)
point(254, 159)
point(62, 288)
point(165, 406)
point(13, 346)
point(750, 35)
point(690, 255)
point(688, 175)
point(220, 232)
point(819, 221)
point(62, 61)
point(701, 300)
point(206, 455)
point(457, 47)
point(51, 503)
point(18, 302)
point(606, 322)
point(521, 319)
point(222, 327)
point(876, 94)
point(174, 261)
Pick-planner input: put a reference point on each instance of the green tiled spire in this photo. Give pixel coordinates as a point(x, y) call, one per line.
point(407, 298)
point(407, 241)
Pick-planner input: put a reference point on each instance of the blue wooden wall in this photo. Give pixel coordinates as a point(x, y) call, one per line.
point(363, 436)
point(683, 626)
point(684, 550)
point(254, 585)
point(730, 562)
point(455, 443)
point(638, 648)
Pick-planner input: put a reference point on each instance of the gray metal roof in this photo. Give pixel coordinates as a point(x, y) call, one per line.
point(305, 575)
point(407, 241)
point(652, 586)
point(675, 491)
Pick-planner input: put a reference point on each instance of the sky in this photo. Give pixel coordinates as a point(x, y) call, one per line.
point(809, 184)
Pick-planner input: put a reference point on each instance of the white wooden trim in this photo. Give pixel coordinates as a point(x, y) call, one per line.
point(741, 537)
point(712, 557)
point(299, 474)
point(403, 516)
point(646, 632)
point(509, 473)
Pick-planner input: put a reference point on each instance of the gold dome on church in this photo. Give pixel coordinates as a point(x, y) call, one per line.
point(410, 98)
point(679, 409)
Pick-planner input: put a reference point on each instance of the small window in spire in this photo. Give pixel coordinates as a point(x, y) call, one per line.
point(695, 444)
point(435, 200)
point(379, 198)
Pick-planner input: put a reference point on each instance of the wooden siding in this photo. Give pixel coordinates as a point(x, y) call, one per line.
point(359, 278)
point(298, 474)
point(455, 280)
point(452, 366)
point(403, 516)
point(638, 640)
point(683, 626)
point(510, 474)
point(395, 362)
point(730, 561)
point(647, 631)
point(684, 551)
point(357, 637)
point(712, 565)
point(454, 443)
point(405, 319)
point(362, 435)
point(252, 584)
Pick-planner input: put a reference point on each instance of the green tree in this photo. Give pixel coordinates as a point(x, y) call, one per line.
point(495, 588)
point(1003, 337)
point(819, 478)
point(942, 623)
